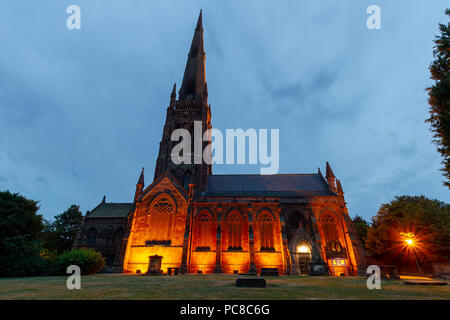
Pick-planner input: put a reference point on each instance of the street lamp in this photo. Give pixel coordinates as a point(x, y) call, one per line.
point(410, 243)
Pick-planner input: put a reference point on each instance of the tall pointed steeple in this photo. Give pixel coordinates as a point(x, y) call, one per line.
point(189, 107)
point(194, 79)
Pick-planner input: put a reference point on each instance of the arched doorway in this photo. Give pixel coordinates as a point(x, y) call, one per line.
point(303, 256)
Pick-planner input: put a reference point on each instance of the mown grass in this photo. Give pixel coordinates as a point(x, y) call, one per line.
point(201, 287)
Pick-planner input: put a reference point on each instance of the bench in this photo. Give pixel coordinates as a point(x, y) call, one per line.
point(269, 272)
point(176, 271)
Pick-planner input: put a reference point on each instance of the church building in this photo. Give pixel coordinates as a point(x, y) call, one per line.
point(199, 222)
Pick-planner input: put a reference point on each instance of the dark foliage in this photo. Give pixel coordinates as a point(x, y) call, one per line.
point(426, 219)
point(439, 96)
point(88, 260)
point(20, 229)
point(361, 227)
point(60, 234)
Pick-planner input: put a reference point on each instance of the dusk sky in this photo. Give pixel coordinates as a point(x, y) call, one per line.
point(82, 111)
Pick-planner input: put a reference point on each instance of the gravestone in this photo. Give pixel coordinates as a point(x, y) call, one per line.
point(154, 265)
point(250, 280)
point(389, 272)
point(425, 282)
point(441, 270)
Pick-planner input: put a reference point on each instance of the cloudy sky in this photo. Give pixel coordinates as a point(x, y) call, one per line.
point(81, 111)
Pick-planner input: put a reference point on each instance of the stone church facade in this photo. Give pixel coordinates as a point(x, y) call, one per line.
point(199, 222)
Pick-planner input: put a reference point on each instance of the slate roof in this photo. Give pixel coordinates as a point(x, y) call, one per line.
point(111, 210)
point(267, 185)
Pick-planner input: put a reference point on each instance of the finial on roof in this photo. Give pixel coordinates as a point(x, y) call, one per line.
point(141, 178)
point(331, 179)
point(104, 199)
point(339, 187)
point(329, 172)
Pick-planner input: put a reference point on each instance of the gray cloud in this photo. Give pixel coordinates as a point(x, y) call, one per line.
point(82, 111)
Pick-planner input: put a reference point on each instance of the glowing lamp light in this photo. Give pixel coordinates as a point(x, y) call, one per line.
point(303, 249)
point(409, 242)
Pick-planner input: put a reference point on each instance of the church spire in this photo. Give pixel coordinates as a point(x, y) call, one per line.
point(194, 78)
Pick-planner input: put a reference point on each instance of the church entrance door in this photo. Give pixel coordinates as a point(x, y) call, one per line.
point(303, 262)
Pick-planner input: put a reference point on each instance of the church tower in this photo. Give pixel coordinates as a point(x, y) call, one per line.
point(191, 106)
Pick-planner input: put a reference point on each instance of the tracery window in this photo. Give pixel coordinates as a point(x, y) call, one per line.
point(118, 235)
point(330, 225)
point(91, 238)
point(265, 224)
point(204, 232)
point(187, 180)
point(161, 221)
point(234, 225)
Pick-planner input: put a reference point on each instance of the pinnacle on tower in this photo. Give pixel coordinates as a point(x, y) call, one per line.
point(173, 94)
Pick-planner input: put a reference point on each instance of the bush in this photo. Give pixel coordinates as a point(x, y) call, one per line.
point(19, 257)
point(88, 260)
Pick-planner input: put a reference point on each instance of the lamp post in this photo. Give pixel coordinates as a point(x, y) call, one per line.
point(410, 243)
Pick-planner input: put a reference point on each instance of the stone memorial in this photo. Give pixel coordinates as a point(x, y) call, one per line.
point(154, 265)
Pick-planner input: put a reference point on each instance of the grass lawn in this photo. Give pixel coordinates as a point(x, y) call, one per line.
point(198, 287)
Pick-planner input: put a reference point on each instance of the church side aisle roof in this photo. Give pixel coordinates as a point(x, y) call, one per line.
point(111, 210)
point(265, 185)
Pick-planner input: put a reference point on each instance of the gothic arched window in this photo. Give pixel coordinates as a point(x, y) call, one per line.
point(234, 225)
point(118, 235)
point(265, 224)
point(161, 221)
point(330, 228)
point(186, 180)
point(204, 232)
point(91, 238)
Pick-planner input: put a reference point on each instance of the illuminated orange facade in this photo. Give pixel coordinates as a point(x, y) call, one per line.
point(199, 222)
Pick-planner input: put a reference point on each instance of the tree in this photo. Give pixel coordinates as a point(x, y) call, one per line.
point(60, 234)
point(439, 97)
point(18, 216)
point(361, 227)
point(20, 230)
point(426, 220)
